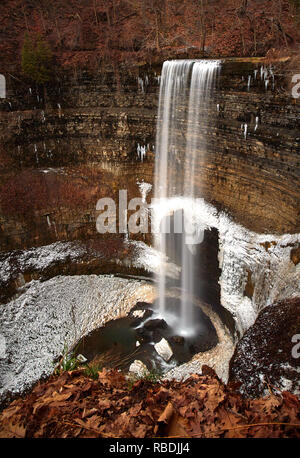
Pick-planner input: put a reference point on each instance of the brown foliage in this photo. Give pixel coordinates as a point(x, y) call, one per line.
point(30, 191)
point(73, 405)
point(92, 32)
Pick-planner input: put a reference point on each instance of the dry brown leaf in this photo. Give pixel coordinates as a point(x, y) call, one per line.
point(214, 396)
point(87, 413)
point(10, 411)
point(91, 422)
point(135, 410)
point(140, 431)
point(177, 427)
point(167, 413)
point(13, 431)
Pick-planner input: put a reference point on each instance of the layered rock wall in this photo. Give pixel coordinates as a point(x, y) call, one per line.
point(83, 139)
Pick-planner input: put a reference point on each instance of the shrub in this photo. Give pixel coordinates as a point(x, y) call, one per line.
point(36, 59)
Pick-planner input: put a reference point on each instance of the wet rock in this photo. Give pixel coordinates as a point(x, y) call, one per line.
point(154, 324)
point(192, 348)
point(266, 355)
point(138, 368)
point(164, 350)
point(143, 335)
point(179, 340)
point(135, 322)
point(142, 305)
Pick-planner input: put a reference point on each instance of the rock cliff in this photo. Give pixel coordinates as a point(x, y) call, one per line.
point(82, 139)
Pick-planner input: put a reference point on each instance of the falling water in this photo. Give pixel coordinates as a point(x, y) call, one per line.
point(186, 91)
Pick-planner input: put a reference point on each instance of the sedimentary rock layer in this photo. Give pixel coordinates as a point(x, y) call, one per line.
point(251, 169)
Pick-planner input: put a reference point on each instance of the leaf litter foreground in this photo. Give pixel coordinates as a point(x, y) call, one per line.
point(74, 405)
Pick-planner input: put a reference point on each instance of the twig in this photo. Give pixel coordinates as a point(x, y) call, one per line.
point(88, 428)
point(242, 427)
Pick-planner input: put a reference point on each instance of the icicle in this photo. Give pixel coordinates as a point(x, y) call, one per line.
point(55, 230)
point(141, 84)
point(249, 82)
point(256, 123)
point(158, 79)
point(138, 150)
point(143, 152)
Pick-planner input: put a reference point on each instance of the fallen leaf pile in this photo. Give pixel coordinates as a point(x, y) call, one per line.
point(73, 405)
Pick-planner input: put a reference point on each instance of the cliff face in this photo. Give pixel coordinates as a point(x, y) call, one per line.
point(80, 140)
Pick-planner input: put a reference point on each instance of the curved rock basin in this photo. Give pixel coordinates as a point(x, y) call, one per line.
point(52, 315)
point(149, 338)
point(46, 316)
point(49, 316)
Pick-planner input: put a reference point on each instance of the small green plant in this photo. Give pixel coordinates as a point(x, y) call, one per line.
point(92, 370)
point(152, 376)
point(68, 361)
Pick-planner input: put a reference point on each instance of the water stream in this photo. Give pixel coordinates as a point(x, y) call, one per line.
point(186, 92)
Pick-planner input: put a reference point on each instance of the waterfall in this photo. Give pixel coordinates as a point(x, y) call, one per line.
point(186, 92)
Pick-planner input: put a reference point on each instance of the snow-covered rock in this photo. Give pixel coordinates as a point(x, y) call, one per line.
point(49, 316)
point(163, 349)
point(266, 258)
point(138, 368)
point(138, 313)
point(81, 359)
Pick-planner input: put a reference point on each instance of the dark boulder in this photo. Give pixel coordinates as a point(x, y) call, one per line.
point(157, 323)
point(267, 356)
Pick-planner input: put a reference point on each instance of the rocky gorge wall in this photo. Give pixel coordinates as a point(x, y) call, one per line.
point(84, 138)
point(88, 137)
